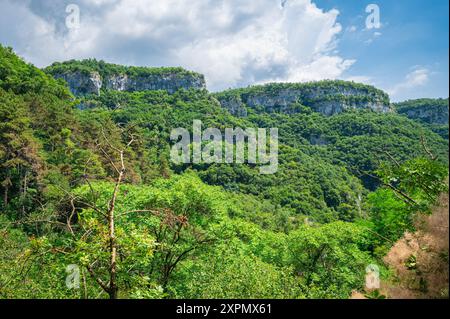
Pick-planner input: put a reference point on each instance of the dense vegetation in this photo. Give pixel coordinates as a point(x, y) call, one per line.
point(432, 113)
point(347, 187)
point(338, 90)
point(107, 69)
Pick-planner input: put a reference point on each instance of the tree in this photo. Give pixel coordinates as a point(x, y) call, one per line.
point(20, 164)
point(330, 259)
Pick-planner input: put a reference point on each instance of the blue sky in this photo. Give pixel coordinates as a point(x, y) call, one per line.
point(414, 36)
point(238, 43)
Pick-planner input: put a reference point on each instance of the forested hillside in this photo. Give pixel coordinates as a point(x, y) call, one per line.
point(433, 113)
point(86, 179)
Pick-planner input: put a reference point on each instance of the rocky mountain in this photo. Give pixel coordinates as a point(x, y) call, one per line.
point(222, 229)
point(431, 111)
point(91, 77)
point(326, 97)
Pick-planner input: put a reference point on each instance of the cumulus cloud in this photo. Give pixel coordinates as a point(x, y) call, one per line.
point(416, 78)
point(233, 42)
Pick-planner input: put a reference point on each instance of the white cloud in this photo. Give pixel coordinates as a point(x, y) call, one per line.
point(419, 77)
point(352, 28)
point(232, 42)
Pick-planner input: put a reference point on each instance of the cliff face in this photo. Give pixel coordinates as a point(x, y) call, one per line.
point(91, 77)
point(432, 116)
point(430, 111)
point(82, 83)
point(326, 97)
point(171, 82)
point(92, 83)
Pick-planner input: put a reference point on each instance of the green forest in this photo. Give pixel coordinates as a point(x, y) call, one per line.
point(87, 182)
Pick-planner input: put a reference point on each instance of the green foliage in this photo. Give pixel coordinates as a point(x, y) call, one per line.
point(230, 272)
point(367, 91)
point(429, 111)
point(375, 295)
point(19, 159)
point(34, 267)
point(108, 69)
point(200, 230)
point(432, 113)
point(357, 140)
point(330, 259)
point(156, 228)
point(22, 78)
point(421, 178)
point(410, 187)
point(389, 218)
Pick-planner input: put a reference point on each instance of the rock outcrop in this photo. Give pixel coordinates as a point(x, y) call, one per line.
point(170, 82)
point(326, 97)
point(92, 83)
point(91, 77)
point(430, 111)
point(81, 83)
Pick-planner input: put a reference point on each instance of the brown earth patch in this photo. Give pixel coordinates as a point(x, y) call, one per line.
point(420, 260)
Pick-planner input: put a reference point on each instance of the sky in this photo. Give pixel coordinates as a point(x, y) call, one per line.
point(403, 50)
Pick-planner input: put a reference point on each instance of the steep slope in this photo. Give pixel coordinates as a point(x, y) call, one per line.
point(420, 260)
point(92, 76)
point(20, 77)
point(325, 97)
point(432, 113)
point(327, 121)
point(303, 232)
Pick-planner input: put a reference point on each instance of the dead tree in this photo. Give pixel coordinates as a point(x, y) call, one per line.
point(111, 287)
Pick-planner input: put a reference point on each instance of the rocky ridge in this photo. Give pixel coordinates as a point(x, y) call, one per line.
point(326, 97)
point(430, 111)
point(91, 77)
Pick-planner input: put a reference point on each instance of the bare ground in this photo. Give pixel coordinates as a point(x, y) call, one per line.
point(420, 260)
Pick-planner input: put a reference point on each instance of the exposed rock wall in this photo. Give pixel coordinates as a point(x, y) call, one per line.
point(328, 101)
point(82, 83)
point(431, 115)
point(169, 82)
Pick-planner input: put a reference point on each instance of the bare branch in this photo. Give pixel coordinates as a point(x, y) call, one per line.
point(69, 219)
point(426, 149)
point(98, 280)
point(407, 199)
point(391, 157)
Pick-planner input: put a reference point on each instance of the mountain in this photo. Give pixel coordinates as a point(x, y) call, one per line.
point(325, 97)
point(433, 113)
point(92, 76)
point(351, 176)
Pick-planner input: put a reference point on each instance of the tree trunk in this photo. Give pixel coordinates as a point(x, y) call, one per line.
point(113, 252)
point(5, 196)
point(6, 184)
point(24, 191)
point(113, 289)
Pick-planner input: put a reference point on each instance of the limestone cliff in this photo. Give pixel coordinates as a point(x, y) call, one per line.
point(430, 111)
point(82, 83)
point(326, 97)
point(91, 77)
